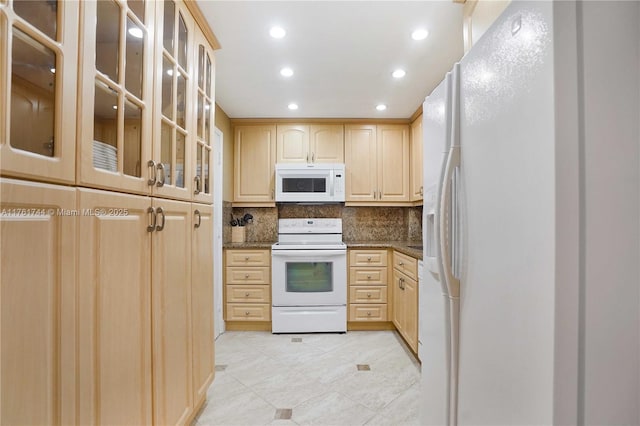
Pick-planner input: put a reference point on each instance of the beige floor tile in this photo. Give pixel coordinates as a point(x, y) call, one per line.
point(245, 409)
point(331, 409)
point(404, 409)
point(298, 389)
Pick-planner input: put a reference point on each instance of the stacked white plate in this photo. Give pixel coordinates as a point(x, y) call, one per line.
point(105, 156)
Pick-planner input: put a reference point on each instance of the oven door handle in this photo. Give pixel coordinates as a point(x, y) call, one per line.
point(307, 253)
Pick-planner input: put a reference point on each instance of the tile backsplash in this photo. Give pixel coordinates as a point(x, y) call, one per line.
point(358, 223)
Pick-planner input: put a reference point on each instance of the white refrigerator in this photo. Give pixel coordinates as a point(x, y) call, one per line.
point(533, 234)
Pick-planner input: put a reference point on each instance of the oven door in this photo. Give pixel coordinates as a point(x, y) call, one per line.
point(309, 277)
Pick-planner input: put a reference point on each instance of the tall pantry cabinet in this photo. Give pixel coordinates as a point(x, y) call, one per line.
point(106, 300)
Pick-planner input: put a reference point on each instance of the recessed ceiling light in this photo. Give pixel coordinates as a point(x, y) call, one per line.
point(381, 107)
point(114, 106)
point(53, 70)
point(136, 32)
point(277, 32)
point(292, 106)
point(399, 73)
point(169, 72)
point(286, 72)
point(419, 34)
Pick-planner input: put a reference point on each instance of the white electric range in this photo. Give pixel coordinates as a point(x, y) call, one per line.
point(309, 277)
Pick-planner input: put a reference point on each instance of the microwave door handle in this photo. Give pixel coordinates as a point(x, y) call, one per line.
point(331, 183)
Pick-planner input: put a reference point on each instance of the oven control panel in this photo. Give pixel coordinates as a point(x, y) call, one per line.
point(311, 226)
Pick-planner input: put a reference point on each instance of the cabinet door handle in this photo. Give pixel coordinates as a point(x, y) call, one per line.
point(421, 191)
point(152, 172)
point(273, 195)
point(307, 157)
point(152, 213)
point(160, 211)
point(161, 181)
point(197, 213)
point(313, 157)
point(198, 185)
point(400, 283)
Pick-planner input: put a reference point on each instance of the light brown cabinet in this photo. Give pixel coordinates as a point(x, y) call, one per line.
point(248, 285)
point(315, 143)
point(417, 190)
point(140, 275)
point(202, 300)
point(37, 138)
point(254, 164)
point(405, 298)
point(368, 285)
point(377, 164)
point(38, 303)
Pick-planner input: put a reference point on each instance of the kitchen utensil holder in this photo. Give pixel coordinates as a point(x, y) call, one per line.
point(238, 234)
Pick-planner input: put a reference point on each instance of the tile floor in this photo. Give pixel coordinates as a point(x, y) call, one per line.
point(357, 378)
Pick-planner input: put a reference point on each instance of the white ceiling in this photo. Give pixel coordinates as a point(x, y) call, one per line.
point(342, 53)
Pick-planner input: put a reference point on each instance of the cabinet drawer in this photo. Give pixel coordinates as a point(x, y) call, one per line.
point(248, 312)
point(368, 276)
point(248, 257)
point(238, 275)
point(375, 294)
point(376, 257)
point(406, 264)
point(249, 293)
point(368, 312)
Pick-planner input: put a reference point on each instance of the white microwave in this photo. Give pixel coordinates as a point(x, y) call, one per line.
point(310, 183)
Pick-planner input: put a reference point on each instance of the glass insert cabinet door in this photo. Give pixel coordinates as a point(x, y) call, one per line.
point(116, 95)
point(203, 175)
point(174, 104)
point(309, 277)
point(38, 68)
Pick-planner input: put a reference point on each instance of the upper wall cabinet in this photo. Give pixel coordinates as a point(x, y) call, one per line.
point(377, 164)
point(254, 163)
point(416, 160)
point(116, 94)
point(301, 143)
point(38, 68)
point(147, 100)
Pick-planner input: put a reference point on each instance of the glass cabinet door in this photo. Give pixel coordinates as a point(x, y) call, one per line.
point(205, 71)
point(174, 103)
point(117, 83)
point(38, 66)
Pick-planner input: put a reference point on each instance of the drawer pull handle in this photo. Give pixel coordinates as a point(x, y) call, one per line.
point(368, 294)
point(369, 259)
point(246, 276)
point(401, 263)
point(246, 258)
point(368, 277)
point(246, 313)
point(246, 294)
point(368, 313)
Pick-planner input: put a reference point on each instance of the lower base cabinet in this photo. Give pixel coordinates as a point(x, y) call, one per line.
point(37, 304)
point(405, 299)
point(106, 306)
point(247, 285)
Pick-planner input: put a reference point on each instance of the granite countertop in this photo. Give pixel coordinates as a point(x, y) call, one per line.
point(249, 245)
point(402, 246)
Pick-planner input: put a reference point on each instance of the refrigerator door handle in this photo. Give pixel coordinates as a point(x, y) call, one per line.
point(447, 217)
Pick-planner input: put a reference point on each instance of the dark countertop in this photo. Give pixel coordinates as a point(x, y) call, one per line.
point(401, 246)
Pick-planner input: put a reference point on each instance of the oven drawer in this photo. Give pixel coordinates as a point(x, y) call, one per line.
point(239, 275)
point(406, 264)
point(368, 276)
point(248, 312)
point(368, 294)
point(247, 257)
point(367, 312)
point(377, 257)
point(249, 293)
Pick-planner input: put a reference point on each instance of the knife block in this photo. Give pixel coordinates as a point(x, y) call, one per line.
point(238, 234)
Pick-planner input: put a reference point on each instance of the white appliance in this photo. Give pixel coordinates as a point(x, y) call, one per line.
point(310, 183)
point(535, 236)
point(309, 277)
point(421, 310)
